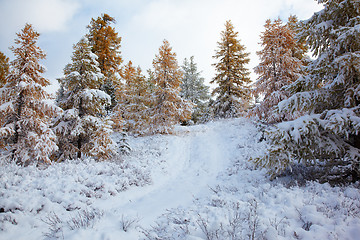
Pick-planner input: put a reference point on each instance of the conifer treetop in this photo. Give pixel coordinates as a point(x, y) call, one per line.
point(105, 43)
point(193, 87)
point(232, 58)
point(29, 52)
point(166, 68)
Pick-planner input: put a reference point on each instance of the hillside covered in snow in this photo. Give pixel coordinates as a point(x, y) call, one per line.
point(194, 184)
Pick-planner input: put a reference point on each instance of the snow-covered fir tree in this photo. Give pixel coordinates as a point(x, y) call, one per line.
point(134, 100)
point(278, 68)
point(24, 107)
point(168, 108)
point(194, 89)
point(83, 129)
point(232, 77)
point(327, 135)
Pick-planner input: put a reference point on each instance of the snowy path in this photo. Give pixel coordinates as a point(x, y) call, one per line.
point(194, 161)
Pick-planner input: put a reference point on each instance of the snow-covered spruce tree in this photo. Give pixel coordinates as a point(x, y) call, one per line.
point(232, 76)
point(194, 89)
point(106, 43)
point(4, 68)
point(134, 100)
point(82, 129)
point(24, 109)
point(327, 135)
point(168, 108)
point(278, 68)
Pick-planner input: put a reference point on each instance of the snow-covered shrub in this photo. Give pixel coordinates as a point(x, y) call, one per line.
point(80, 220)
point(127, 222)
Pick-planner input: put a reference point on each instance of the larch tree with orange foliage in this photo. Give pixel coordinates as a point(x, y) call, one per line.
point(300, 48)
point(83, 129)
point(4, 68)
point(168, 108)
point(106, 43)
point(24, 109)
point(134, 100)
point(232, 76)
point(278, 68)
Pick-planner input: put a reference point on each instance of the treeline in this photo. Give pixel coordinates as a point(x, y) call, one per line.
point(308, 108)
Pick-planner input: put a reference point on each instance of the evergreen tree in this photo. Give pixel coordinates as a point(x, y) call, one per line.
point(278, 68)
point(4, 71)
point(134, 100)
point(232, 76)
point(169, 108)
point(4, 68)
point(82, 128)
point(24, 109)
point(327, 135)
point(106, 43)
point(194, 89)
point(300, 47)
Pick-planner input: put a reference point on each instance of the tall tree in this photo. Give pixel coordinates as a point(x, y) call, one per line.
point(232, 76)
point(82, 128)
point(106, 43)
point(24, 108)
point(169, 108)
point(4, 68)
point(194, 89)
point(327, 135)
point(278, 68)
point(134, 100)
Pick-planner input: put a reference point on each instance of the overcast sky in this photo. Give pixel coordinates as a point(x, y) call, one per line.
point(191, 26)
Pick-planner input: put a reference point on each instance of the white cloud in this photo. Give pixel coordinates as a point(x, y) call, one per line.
point(45, 15)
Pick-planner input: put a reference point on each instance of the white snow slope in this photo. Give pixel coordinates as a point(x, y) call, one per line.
point(195, 184)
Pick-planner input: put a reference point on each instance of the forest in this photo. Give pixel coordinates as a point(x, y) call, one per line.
point(308, 108)
point(237, 152)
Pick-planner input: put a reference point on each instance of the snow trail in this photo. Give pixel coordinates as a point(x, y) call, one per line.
point(194, 160)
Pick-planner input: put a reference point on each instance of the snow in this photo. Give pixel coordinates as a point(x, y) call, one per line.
point(194, 184)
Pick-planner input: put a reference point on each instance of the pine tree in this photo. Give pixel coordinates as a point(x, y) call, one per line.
point(277, 69)
point(4, 68)
point(134, 100)
point(169, 108)
point(24, 108)
point(82, 128)
point(232, 76)
point(326, 137)
point(193, 89)
point(106, 43)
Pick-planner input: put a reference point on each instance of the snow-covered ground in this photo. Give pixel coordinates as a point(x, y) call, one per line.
point(195, 184)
